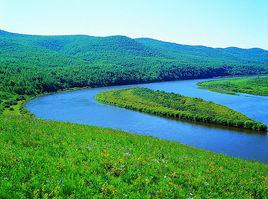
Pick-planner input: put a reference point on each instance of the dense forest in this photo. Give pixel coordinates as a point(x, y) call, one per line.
point(177, 106)
point(254, 86)
point(31, 65)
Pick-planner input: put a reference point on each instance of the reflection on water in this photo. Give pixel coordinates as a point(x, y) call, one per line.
point(80, 107)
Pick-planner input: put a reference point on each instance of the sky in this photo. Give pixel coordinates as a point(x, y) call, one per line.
point(214, 23)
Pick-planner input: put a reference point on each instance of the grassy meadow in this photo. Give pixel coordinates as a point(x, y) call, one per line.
point(254, 86)
point(46, 159)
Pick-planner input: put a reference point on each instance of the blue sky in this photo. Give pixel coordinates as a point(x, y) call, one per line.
point(216, 23)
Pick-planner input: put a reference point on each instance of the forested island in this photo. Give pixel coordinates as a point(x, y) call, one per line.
point(48, 159)
point(177, 106)
point(254, 86)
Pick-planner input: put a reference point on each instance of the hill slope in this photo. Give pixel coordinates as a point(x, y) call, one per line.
point(228, 56)
point(31, 64)
point(46, 159)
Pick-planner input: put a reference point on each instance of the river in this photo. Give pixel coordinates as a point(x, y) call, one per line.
point(80, 107)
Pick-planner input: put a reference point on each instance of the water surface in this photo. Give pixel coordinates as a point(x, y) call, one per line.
point(80, 107)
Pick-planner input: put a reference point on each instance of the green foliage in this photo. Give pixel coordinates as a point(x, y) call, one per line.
point(31, 65)
point(45, 159)
point(178, 107)
point(7, 100)
point(254, 86)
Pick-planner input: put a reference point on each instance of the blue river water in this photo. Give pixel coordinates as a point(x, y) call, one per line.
point(80, 107)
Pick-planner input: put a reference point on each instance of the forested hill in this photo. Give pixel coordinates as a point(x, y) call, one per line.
point(195, 54)
point(32, 64)
point(124, 51)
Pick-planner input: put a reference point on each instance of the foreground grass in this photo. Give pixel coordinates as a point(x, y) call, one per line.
point(53, 159)
point(254, 86)
point(178, 107)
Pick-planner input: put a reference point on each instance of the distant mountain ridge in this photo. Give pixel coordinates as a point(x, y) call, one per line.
point(3, 32)
point(91, 48)
point(232, 52)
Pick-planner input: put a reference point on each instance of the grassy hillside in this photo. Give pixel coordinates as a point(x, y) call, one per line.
point(254, 86)
point(178, 107)
point(53, 159)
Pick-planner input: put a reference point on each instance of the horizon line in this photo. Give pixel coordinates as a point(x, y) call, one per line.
point(171, 42)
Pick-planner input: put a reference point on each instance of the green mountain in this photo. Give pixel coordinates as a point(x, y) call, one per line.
point(31, 64)
point(208, 55)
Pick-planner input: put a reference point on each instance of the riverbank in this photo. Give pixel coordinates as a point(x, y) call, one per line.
point(81, 107)
point(55, 159)
point(179, 107)
point(254, 86)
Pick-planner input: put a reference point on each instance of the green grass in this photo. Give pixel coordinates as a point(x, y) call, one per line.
point(178, 107)
point(254, 86)
point(46, 159)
